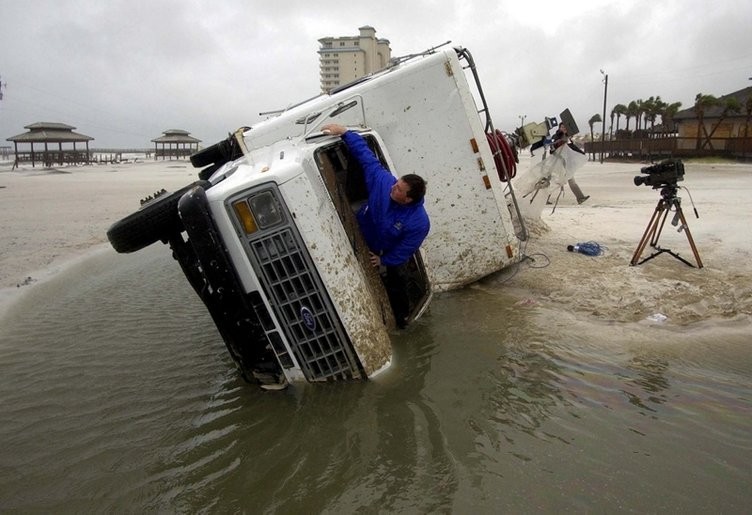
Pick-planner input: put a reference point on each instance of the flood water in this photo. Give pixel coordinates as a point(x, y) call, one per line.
point(117, 395)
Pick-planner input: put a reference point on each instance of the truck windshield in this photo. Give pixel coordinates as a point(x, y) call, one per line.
point(346, 184)
point(343, 175)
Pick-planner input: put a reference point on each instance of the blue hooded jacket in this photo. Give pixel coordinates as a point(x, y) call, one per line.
point(391, 230)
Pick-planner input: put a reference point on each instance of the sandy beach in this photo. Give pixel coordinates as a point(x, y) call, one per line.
point(616, 216)
point(51, 217)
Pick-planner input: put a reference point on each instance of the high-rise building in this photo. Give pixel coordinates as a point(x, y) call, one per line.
point(344, 59)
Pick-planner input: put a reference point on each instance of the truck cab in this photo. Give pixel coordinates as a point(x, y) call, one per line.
point(268, 236)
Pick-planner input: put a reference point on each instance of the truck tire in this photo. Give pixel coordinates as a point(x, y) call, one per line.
point(156, 220)
point(220, 153)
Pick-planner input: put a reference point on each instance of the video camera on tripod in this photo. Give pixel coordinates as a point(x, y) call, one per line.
point(664, 176)
point(659, 175)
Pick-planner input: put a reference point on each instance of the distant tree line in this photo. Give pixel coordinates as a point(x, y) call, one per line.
point(645, 112)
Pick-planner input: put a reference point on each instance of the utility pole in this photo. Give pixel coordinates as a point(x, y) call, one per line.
point(522, 119)
point(2, 86)
point(603, 123)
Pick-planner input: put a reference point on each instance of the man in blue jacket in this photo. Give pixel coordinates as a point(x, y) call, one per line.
point(394, 221)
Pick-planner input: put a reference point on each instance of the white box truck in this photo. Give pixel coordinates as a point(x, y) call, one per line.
point(268, 237)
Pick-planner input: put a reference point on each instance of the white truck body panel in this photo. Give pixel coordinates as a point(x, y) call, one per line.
point(426, 116)
point(271, 244)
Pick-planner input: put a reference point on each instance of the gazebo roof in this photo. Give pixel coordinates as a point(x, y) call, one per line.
point(49, 132)
point(176, 136)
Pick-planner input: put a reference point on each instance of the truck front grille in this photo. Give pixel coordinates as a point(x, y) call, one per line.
point(302, 305)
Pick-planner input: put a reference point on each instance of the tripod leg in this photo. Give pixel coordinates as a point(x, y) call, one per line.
point(691, 240)
point(534, 195)
point(656, 235)
point(556, 202)
point(649, 233)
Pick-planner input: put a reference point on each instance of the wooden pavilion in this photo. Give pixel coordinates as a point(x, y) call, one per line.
point(47, 134)
point(175, 143)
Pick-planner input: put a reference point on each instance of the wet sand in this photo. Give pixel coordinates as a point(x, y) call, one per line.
point(616, 216)
point(50, 218)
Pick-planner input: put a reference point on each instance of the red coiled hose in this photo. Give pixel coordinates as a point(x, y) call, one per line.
point(506, 164)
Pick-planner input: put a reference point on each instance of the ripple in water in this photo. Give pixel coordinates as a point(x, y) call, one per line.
point(117, 394)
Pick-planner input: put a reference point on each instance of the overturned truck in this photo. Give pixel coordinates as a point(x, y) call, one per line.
point(268, 239)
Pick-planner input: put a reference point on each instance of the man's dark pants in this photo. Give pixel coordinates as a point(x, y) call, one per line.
point(395, 282)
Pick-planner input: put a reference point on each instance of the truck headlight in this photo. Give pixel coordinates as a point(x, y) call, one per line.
point(265, 209)
point(260, 211)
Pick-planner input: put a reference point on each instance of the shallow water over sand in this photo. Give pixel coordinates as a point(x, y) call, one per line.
point(117, 394)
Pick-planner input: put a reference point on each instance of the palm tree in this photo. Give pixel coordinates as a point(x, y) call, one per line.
point(592, 121)
point(655, 108)
point(660, 108)
point(667, 115)
point(640, 111)
point(702, 103)
point(730, 105)
point(647, 107)
point(619, 110)
point(632, 110)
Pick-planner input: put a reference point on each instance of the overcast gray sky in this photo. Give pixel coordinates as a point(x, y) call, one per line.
point(123, 71)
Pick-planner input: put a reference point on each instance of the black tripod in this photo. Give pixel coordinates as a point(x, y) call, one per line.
point(654, 228)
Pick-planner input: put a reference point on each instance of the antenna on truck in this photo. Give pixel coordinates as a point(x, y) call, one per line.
point(397, 60)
